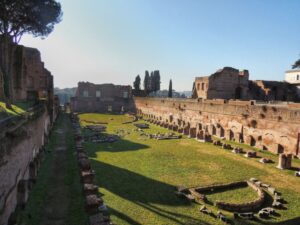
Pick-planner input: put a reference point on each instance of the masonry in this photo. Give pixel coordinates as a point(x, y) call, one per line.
point(230, 83)
point(91, 97)
point(23, 77)
point(274, 128)
point(21, 151)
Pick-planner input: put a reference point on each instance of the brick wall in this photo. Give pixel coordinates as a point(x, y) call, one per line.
point(270, 127)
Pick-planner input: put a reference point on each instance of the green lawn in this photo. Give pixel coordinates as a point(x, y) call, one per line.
point(138, 177)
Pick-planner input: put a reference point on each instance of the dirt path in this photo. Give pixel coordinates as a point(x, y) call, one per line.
point(57, 199)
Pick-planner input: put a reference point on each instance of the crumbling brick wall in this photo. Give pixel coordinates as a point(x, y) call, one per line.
point(23, 73)
point(268, 127)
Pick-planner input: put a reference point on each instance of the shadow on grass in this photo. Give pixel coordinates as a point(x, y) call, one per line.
point(142, 191)
point(120, 145)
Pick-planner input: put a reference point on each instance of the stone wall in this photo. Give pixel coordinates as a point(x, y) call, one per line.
point(275, 128)
point(230, 83)
point(21, 149)
point(102, 98)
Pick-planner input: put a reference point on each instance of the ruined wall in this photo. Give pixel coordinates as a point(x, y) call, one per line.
point(230, 83)
point(226, 83)
point(102, 98)
point(21, 150)
point(269, 127)
point(23, 73)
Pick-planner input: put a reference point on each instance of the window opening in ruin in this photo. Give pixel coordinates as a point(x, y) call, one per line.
point(252, 141)
point(125, 94)
point(85, 93)
point(98, 94)
point(202, 86)
point(198, 86)
point(280, 149)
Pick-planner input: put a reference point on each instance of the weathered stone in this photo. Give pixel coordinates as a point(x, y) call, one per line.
point(284, 161)
point(251, 154)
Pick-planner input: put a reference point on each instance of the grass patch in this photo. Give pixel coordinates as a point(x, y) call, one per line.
point(236, 196)
point(138, 176)
point(58, 191)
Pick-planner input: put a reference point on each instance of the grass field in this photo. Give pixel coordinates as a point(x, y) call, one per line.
point(138, 177)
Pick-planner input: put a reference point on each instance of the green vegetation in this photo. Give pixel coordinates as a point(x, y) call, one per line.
point(57, 194)
point(138, 176)
point(236, 195)
point(14, 111)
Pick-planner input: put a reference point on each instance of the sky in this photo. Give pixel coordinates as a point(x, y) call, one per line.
point(112, 41)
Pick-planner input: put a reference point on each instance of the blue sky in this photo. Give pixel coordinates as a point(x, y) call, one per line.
point(111, 41)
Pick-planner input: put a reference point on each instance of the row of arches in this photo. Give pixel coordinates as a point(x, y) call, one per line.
point(204, 132)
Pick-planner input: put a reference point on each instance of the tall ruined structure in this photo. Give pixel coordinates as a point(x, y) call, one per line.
point(22, 138)
point(230, 83)
point(24, 76)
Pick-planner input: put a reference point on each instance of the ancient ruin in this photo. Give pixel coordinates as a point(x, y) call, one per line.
point(23, 77)
point(274, 128)
point(230, 83)
point(102, 98)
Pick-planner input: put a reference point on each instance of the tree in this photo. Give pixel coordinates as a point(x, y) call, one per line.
point(36, 17)
point(296, 64)
point(170, 93)
point(137, 83)
point(156, 80)
point(152, 82)
point(146, 81)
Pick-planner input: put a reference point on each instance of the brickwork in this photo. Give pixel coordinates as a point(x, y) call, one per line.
point(230, 83)
point(23, 73)
point(102, 98)
point(273, 128)
point(21, 155)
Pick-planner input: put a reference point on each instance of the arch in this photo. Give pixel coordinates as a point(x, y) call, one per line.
point(199, 126)
point(280, 149)
point(252, 141)
point(231, 135)
point(213, 130)
point(222, 131)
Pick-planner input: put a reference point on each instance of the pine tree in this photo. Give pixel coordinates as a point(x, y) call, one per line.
point(156, 82)
point(296, 64)
point(146, 81)
point(170, 94)
point(137, 83)
point(152, 82)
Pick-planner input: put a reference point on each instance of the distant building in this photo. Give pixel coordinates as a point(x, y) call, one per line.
point(293, 77)
point(91, 97)
point(230, 83)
